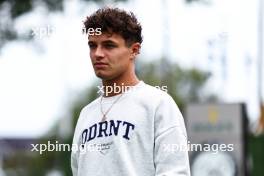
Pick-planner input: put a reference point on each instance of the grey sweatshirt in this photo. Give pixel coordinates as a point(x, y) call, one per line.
point(144, 135)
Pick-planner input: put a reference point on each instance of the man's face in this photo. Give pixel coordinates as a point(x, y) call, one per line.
point(110, 56)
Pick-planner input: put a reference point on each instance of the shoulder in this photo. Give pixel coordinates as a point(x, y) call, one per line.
point(84, 112)
point(90, 106)
point(157, 93)
point(153, 95)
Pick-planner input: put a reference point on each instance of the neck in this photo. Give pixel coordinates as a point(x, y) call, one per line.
point(119, 84)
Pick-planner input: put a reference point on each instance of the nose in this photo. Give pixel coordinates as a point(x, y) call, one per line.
point(99, 53)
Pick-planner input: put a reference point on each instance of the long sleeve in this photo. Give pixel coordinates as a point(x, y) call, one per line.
point(76, 148)
point(74, 164)
point(170, 148)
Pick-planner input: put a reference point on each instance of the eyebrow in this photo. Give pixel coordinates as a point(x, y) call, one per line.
point(109, 41)
point(104, 42)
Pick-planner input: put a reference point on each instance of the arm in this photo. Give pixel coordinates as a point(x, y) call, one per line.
point(75, 152)
point(170, 150)
point(74, 164)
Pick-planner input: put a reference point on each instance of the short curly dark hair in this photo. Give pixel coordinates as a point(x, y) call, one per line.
point(115, 20)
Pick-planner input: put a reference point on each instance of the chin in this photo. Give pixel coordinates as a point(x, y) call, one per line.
point(103, 76)
point(107, 74)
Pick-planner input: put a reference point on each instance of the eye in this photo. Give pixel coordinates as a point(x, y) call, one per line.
point(110, 46)
point(92, 45)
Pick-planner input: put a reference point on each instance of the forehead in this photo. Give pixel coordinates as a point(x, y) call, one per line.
point(106, 37)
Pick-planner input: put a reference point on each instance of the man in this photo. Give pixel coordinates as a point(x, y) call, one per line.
point(136, 132)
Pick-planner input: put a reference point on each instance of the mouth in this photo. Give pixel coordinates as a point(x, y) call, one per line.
point(100, 65)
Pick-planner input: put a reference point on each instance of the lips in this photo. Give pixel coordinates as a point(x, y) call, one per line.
point(99, 65)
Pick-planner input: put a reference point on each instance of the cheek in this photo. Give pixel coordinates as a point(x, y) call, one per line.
point(121, 58)
point(91, 56)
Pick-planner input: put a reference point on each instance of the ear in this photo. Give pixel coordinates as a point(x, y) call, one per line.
point(135, 49)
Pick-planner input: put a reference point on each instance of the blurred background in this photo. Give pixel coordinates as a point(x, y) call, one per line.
point(207, 52)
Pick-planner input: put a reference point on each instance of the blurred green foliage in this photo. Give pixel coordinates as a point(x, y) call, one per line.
point(184, 85)
point(256, 154)
point(18, 7)
point(12, 9)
